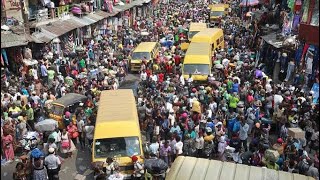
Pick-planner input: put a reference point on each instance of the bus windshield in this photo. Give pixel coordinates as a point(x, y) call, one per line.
point(141, 55)
point(195, 69)
point(117, 147)
point(217, 13)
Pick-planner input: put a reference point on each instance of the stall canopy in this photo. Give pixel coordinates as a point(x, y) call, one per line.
point(10, 39)
point(204, 169)
point(273, 40)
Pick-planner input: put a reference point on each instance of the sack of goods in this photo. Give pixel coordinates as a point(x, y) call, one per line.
point(272, 155)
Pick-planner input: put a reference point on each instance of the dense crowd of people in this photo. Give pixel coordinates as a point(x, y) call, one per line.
point(238, 115)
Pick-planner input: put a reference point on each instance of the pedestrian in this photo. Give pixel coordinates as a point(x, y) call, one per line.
point(53, 165)
point(73, 132)
point(67, 145)
point(199, 144)
point(7, 146)
point(243, 133)
point(39, 169)
point(89, 130)
point(19, 173)
point(165, 151)
point(81, 126)
point(138, 170)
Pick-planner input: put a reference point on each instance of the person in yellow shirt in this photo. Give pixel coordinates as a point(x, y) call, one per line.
point(209, 136)
point(15, 110)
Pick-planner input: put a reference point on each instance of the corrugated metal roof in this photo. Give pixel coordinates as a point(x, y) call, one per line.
point(204, 169)
point(61, 27)
point(42, 37)
point(9, 39)
point(84, 20)
point(95, 16)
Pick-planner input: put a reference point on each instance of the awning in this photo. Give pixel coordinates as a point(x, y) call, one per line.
point(9, 39)
point(95, 16)
point(59, 28)
point(105, 14)
point(125, 7)
point(85, 20)
point(42, 37)
point(273, 40)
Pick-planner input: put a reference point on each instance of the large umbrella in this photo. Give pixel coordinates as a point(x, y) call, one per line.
point(247, 3)
point(46, 125)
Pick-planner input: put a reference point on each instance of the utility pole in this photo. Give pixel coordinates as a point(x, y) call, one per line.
point(25, 17)
point(3, 14)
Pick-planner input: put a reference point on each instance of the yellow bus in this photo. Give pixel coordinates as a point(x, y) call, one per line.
point(216, 14)
point(197, 62)
point(145, 50)
point(195, 28)
point(213, 36)
point(117, 131)
point(192, 168)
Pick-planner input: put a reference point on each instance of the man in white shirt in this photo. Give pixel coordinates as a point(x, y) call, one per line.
point(53, 164)
point(154, 147)
point(178, 146)
point(182, 81)
point(143, 75)
point(154, 78)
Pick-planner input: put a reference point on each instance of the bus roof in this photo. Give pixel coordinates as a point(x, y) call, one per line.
point(117, 109)
point(197, 26)
point(145, 47)
point(197, 50)
point(217, 8)
point(206, 35)
point(204, 169)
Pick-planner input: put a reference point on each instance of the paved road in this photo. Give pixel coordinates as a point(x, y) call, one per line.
point(77, 167)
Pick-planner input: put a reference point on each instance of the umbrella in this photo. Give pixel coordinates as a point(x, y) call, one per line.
point(46, 125)
point(247, 3)
point(218, 66)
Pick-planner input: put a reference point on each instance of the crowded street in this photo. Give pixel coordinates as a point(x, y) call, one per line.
point(160, 89)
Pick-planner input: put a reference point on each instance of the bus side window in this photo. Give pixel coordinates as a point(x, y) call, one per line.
point(218, 42)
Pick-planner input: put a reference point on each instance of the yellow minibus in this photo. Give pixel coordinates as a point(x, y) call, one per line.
point(195, 28)
point(197, 62)
point(213, 36)
point(144, 51)
point(117, 132)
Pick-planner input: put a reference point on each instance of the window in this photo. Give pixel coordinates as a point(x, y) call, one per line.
point(196, 69)
point(141, 55)
point(117, 147)
point(192, 33)
point(57, 110)
point(315, 15)
point(305, 11)
point(216, 13)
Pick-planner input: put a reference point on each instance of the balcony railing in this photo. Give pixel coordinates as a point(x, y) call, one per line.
point(48, 13)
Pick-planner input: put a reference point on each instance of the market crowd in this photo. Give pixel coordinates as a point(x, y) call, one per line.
point(239, 115)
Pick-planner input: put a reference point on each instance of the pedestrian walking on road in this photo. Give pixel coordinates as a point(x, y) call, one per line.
point(53, 165)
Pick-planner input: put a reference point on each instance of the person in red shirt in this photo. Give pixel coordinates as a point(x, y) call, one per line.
point(160, 77)
point(177, 59)
point(149, 72)
point(168, 68)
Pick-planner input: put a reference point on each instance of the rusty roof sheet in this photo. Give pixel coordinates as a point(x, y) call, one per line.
point(97, 16)
point(9, 39)
point(61, 27)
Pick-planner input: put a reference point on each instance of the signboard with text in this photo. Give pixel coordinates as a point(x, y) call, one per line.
point(13, 9)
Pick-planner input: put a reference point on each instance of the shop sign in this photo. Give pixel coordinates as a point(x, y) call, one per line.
point(13, 9)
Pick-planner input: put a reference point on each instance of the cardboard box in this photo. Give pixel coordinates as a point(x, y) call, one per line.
point(296, 133)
